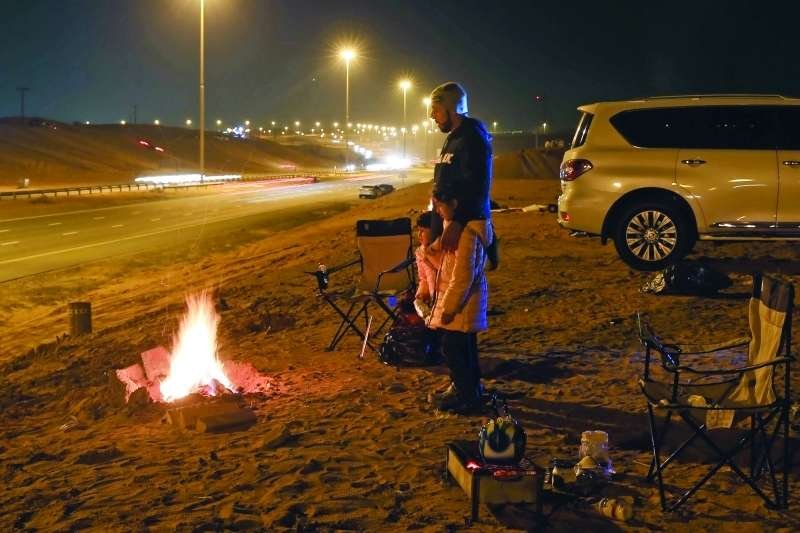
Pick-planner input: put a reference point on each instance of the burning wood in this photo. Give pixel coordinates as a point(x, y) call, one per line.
point(193, 365)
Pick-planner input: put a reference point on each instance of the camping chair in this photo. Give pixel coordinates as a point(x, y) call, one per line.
point(708, 398)
point(387, 272)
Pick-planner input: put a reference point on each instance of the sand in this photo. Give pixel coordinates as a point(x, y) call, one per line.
point(348, 444)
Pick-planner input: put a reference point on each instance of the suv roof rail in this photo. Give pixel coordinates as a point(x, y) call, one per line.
point(722, 95)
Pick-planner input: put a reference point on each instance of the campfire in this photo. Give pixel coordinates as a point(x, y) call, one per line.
point(193, 365)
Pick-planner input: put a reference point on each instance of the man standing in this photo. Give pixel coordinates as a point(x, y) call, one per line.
point(464, 168)
point(464, 165)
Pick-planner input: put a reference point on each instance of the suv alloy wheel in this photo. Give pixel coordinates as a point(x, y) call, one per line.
point(650, 236)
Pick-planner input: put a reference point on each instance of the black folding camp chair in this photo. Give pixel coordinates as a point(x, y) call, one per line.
point(708, 399)
point(386, 260)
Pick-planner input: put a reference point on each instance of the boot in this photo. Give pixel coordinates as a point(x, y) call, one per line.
point(463, 403)
point(437, 398)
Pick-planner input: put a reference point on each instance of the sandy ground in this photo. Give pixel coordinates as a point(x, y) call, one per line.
point(349, 444)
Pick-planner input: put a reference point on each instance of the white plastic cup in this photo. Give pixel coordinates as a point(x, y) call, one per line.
point(594, 444)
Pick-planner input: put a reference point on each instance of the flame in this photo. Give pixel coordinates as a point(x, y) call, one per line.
point(194, 366)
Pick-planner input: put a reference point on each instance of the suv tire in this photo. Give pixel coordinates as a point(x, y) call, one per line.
point(650, 236)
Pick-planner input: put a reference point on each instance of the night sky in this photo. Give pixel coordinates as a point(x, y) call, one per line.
point(275, 60)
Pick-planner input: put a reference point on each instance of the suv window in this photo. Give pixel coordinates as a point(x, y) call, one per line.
point(737, 128)
point(582, 131)
point(720, 127)
point(650, 128)
point(789, 118)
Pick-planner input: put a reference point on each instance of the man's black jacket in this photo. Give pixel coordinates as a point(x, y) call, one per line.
point(465, 166)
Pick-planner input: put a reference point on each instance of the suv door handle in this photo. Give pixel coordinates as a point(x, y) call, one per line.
point(693, 161)
point(792, 163)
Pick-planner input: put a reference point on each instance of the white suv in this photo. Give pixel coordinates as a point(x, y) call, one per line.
point(656, 174)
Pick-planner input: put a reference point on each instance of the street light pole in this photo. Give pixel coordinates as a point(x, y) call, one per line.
point(404, 85)
point(347, 54)
point(22, 91)
point(202, 93)
point(404, 123)
point(542, 115)
point(427, 103)
point(346, 111)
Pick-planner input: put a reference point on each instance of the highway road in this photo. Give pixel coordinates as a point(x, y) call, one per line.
point(218, 219)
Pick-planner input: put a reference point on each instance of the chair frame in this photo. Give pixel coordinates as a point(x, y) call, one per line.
point(760, 415)
point(359, 306)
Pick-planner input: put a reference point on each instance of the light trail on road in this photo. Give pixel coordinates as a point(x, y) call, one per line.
point(229, 207)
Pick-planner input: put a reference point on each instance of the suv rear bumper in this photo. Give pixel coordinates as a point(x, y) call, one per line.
point(580, 209)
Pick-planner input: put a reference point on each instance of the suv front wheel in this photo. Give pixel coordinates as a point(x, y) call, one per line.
point(651, 236)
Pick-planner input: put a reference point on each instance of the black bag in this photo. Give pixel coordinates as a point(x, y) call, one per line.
point(689, 278)
point(409, 344)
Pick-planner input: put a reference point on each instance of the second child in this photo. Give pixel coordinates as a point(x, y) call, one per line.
point(459, 307)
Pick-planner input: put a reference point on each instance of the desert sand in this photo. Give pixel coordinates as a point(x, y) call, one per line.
point(347, 444)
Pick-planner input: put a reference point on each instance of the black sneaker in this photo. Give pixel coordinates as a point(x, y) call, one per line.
point(438, 398)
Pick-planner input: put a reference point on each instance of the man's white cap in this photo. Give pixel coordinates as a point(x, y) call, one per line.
point(452, 96)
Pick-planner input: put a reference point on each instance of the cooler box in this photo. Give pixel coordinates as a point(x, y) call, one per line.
point(491, 484)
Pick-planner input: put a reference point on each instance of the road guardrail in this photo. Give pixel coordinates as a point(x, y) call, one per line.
point(89, 189)
point(120, 187)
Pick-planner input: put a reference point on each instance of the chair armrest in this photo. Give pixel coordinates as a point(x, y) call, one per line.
point(322, 274)
point(695, 349)
point(394, 270)
point(738, 370)
point(670, 353)
point(400, 266)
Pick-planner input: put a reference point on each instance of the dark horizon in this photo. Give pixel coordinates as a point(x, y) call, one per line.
point(87, 60)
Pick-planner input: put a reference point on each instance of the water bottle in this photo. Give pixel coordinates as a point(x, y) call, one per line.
point(322, 277)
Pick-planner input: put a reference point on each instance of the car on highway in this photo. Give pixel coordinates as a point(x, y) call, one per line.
point(656, 174)
point(386, 188)
point(369, 192)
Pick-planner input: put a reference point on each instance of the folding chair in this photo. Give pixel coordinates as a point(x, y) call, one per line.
point(387, 272)
point(708, 398)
